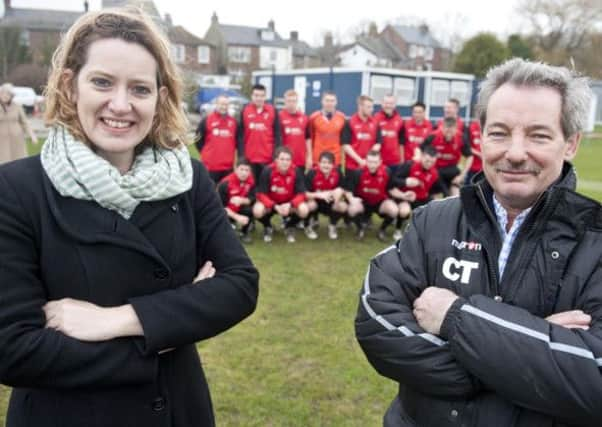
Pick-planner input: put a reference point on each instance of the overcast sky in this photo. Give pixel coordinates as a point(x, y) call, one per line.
point(313, 17)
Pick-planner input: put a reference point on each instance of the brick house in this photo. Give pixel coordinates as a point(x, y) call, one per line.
point(418, 45)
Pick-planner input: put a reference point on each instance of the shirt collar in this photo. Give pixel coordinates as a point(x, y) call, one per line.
point(502, 216)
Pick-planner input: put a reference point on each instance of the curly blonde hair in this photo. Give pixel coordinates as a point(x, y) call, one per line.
point(170, 125)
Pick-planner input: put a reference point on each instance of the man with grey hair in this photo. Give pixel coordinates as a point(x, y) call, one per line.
point(488, 312)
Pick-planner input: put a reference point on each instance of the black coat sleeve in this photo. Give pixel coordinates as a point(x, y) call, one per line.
point(387, 331)
point(222, 191)
point(200, 134)
point(194, 312)
point(32, 355)
point(533, 363)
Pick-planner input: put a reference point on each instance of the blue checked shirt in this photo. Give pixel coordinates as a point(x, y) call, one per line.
point(507, 237)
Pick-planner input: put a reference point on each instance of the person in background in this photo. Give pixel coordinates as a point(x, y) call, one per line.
point(367, 193)
point(325, 127)
point(216, 138)
point(476, 164)
point(360, 135)
point(413, 185)
point(325, 195)
point(294, 130)
point(281, 191)
point(117, 257)
point(237, 192)
point(415, 130)
point(390, 124)
point(13, 127)
point(259, 133)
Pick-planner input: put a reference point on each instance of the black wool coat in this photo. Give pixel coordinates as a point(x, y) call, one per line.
point(53, 247)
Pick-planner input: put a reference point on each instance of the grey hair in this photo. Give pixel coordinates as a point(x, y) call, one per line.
point(573, 88)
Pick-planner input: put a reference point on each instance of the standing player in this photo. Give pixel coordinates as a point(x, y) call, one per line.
point(416, 129)
point(450, 146)
point(281, 191)
point(360, 135)
point(476, 164)
point(325, 127)
point(216, 138)
point(325, 195)
point(390, 124)
point(237, 192)
point(413, 184)
point(294, 130)
point(367, 193)
point(260, 131)
point(451, 109)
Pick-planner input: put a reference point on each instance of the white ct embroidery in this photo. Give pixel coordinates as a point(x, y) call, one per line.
point(461, 269)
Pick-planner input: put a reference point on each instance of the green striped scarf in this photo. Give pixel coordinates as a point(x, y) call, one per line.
point(76, 171)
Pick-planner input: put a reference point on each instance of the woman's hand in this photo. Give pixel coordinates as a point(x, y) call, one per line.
point(81, 319)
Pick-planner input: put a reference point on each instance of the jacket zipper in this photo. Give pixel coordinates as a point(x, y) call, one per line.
point(491, 263)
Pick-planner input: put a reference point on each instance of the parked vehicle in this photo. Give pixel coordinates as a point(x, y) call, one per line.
point(27, 97)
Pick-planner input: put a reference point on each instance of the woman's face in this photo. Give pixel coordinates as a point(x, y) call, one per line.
point(116, 95)
point(5, 96)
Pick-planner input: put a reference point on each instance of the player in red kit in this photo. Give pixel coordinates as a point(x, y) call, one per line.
point(237, 192)
point(390, 124)
point(451, 109)
point(415, 131)
point(413, 184)
point(259, 131)
point(216, 138)
point(360, 135)
point(450, 146)
point(294, 131)
point(475, 145)
point(325, 194)
point(367, 193)
point(281, 191)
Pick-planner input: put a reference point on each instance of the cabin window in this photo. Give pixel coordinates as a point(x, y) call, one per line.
point(380, 86)
point(404, 91)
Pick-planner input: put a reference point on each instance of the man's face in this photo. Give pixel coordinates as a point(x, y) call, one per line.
point(290, 104)
point(388, 104)
point(373, 162)
point(221, 105)
point(325, 166)
point(283, 162)
point(523, 145)
point(258, 97)
point(450, 109)
point(427, 160)
point(243, 172)
point(418, 114)
point(365, 108)
point(449, 132)
point(329, 103)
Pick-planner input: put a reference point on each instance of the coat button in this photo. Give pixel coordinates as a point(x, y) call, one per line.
point(161, 274)
point(497, 298)
point(454, 413)
point(174, 207)
point(555, 255)
point(158, 404)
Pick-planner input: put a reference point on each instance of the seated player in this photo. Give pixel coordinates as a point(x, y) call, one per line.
point(325, 195)
point(413, 183)
point(367, 193)
point(237, 191)
point(281, 191)
point(451, 146)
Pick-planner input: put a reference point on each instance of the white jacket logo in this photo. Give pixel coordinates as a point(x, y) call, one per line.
point(454, 269)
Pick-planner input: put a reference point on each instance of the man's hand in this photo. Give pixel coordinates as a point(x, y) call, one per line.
point(207, 271)
point(236, 200)
point(574, 319)
point(412, 182)
point(79, 319)
point(431, 307)
point(408, 196)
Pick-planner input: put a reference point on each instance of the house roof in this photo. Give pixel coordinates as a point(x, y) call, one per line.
point(301, 48)
point(381, 48)
point(249, 36)
point(417, 35)
point(39, 19)
point(179, 34)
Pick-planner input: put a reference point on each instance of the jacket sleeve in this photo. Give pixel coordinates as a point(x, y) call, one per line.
point(533, 363)
point(200, 134)
point(32, 355)
point(197, 311)
point(388, 332)
point(222, 191)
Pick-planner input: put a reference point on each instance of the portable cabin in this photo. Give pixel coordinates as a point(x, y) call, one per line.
point(432, 88)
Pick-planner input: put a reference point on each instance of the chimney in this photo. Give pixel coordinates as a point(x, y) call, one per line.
point(328, 40)
point(86, 5)
point(168, 20)
point(373, 30)
point(214, 19)
point(294, 36)
point(271, 25)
